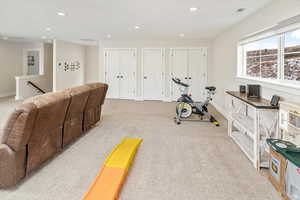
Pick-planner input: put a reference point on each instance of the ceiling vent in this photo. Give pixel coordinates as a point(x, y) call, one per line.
point(240, 10)
point(88, 40)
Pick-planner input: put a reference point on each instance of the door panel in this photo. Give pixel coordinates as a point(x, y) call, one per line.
point(179, 67)
point(112, 73)
point(127, 69)
point(152, 76)
point(197, 73)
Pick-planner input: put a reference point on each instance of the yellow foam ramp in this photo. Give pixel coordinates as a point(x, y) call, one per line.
point(123, 153)
point(108, 182)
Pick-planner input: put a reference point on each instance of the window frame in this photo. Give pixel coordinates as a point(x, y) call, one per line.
point(242, 66)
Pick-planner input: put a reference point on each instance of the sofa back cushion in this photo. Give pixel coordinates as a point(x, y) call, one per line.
point(19, 126)
point(97, 94)
point(92, 110)
point(74, 117)
point(46, 139)
point(79, 96)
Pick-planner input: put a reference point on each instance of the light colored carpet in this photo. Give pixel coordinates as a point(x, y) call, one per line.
point(193, 161)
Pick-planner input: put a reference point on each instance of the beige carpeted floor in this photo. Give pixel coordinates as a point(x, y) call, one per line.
point(193, 161)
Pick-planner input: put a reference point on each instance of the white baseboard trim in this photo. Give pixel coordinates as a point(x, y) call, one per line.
point(139, 99)
point(18, 98)
point(7, 94)
point(220, 109)
point(167, 100)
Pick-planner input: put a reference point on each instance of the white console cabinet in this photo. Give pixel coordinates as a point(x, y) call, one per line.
point(251, 121)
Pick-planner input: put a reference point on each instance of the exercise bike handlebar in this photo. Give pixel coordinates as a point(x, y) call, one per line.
point(178, 81)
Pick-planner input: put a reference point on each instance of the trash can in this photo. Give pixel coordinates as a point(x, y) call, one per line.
point(277, 166)
point(292, 181)
point(284, 169)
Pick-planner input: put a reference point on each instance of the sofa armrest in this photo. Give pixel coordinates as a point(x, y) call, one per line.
point(12, 166)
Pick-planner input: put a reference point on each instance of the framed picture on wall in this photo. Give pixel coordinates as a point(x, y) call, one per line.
point(30, 60)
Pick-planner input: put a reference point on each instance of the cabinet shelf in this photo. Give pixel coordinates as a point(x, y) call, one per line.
point(244, 124)
point(245, 143)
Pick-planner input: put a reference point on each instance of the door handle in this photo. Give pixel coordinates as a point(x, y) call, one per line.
point(190, 78)
point(185, 77)
point(145, 77)
point(118, 76)
point(121, 76)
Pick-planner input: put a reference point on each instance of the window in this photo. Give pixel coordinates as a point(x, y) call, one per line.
point(273, 58)
point(292, 55)
point(262, 58)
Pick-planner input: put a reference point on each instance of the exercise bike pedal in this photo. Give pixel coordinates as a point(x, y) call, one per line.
point(177, 122)
point(216, 123)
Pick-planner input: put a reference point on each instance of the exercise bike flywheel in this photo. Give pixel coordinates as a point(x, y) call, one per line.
point(184, 109)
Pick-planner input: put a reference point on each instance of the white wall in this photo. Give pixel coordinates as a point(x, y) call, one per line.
point(44, 81)
point(92, 64)
point(48, 67)
point(223, 72)
point(10, 66)
point(11, 63)
point(139, 44)
point(67, 52)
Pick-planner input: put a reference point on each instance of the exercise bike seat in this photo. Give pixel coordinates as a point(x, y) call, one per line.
point(210, 88)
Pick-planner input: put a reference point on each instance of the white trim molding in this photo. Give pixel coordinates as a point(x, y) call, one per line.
point(7, 94)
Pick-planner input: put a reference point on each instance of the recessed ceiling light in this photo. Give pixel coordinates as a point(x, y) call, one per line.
point(44, 37)
point(48, 29)
point(5, 38)
point(137, 27)
point(108, 36)
point(241, 10)
point(61, 14)
point(193, 9)
point(181, 35)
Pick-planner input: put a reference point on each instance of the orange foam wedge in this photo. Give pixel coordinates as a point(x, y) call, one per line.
point(111, 177)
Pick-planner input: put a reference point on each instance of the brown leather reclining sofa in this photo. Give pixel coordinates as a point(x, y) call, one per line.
point(43, 125)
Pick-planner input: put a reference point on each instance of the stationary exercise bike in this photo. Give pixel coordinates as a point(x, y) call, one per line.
point(187, 107)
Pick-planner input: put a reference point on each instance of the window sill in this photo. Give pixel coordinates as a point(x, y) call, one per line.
point(293, 89)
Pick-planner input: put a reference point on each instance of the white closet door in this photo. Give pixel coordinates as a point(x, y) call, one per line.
point(197, 73)
point(152, 77)
point(112, 73)
point(127, 69)
point(179, 67)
